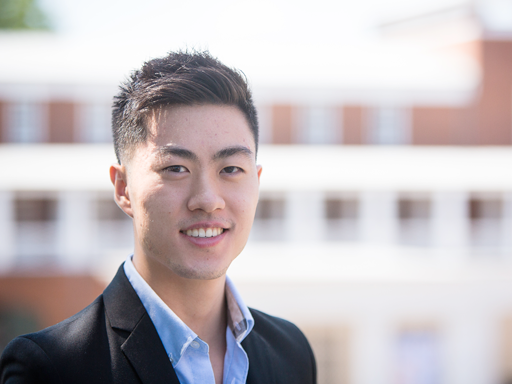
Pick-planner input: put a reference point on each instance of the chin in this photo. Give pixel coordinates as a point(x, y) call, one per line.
point(188, 272)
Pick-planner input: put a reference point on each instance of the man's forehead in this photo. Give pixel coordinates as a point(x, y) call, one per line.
point(159, 117)
point(194, 124)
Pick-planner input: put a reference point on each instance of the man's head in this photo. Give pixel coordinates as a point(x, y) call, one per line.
point(180, 78)
point(187, 173)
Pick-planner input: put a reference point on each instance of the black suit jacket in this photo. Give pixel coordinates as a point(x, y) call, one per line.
point(113, 340)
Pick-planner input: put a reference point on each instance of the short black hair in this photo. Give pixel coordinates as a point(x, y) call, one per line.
point(180, 78)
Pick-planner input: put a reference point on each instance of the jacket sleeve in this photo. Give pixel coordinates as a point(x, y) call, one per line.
point(24, 361)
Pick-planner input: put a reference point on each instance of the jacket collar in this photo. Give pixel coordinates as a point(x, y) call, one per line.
point(143, 348)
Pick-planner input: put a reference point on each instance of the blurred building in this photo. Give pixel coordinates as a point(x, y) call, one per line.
point(384, 227)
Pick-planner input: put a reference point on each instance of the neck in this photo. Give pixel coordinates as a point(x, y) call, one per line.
point(200, 304)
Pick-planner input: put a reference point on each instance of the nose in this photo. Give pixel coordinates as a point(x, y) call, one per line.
point(205, 196)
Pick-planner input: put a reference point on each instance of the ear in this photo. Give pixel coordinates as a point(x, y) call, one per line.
point(259, 169)
point(118, 176)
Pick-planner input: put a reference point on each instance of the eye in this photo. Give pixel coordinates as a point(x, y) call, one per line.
point(176, 169)
point(232, 169)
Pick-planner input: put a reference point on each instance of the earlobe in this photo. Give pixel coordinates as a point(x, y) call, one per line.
point(120, 182)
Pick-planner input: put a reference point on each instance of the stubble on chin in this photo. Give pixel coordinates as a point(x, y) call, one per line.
point(196, 273)
point(166, 260)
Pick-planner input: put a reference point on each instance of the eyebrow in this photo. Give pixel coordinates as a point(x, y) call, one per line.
point(178, 151)
point(231, 151)
point(189, 155)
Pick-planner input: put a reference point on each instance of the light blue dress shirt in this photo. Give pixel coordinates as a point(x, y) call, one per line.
point(186, 351)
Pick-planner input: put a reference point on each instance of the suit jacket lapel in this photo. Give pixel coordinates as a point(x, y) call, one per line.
point(143, 347)
point(261, 366)
point(147, 354)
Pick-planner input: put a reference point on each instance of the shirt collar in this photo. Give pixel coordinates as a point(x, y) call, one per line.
point(176, 336)
point(240, 320)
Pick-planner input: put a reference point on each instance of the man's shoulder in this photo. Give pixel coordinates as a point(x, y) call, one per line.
point(278, 348)
point(34, 357)
point(275, 326)
point(73, 330)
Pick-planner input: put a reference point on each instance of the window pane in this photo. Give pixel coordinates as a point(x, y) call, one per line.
point(107, 209)
point(388, 126)
point(414, 223)
point(270, 209)
point(485, 209)
point(414, 209)
point(25, 123)
point(486, 222)
point(341, 209)
point(418, 357)
point(35, 209)
point(318, 125)
point(269, 220)
point(95, 123)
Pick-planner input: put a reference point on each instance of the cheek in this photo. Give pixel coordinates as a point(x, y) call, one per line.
point(162, 205)
point(245, 205)
point(148, 205)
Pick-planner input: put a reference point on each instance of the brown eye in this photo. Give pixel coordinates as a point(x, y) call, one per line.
point(232, 169)
point(176, 169)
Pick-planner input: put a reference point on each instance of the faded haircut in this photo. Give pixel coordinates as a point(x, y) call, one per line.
point(180, 78)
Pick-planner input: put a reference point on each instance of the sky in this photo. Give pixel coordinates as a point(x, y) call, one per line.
point(260, 36)
point(240, 22)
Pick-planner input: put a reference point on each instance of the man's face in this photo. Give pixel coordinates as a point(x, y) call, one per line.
point(192, 190)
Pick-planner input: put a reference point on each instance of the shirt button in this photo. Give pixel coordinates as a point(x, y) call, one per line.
point(194, 344)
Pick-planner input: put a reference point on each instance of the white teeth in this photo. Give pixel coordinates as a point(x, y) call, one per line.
point(204, 232)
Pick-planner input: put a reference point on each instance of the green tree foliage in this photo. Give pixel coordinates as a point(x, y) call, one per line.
point(22, 14)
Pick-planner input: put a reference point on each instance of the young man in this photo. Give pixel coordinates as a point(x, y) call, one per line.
point(185, 135)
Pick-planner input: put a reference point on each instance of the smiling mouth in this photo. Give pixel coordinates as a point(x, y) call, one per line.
point(203, 232)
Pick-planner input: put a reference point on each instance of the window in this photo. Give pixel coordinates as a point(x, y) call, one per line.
point(413, 209)
point(107, 210)
point(341, 214)
point(95, 123)
point(414, 219)
point(336, 209)
point(270, 209)
point(418, 356)
point(388, 125)
point(36, 230)
point(269, 219)
point(485, 215)
point(35, 210)
point(318, 125)
point(112, 227)
point(485, 209)
point(26, 123)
